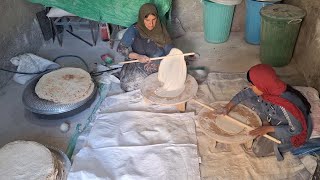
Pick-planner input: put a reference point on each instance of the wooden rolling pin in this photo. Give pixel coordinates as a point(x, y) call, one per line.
point(238, 122)
point(157, 58)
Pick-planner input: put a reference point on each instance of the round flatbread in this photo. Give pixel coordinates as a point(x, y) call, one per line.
point(26, 160)
point(65, 86)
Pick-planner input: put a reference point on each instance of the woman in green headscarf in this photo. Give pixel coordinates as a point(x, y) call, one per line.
point(143, 40)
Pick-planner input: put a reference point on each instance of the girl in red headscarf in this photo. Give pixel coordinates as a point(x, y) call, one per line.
point(283, 110)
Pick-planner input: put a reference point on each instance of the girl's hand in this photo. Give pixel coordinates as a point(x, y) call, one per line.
point(225, 110)
point(260, 131)
point(221, 111)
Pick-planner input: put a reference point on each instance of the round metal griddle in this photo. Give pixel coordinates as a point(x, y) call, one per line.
point(40, 106)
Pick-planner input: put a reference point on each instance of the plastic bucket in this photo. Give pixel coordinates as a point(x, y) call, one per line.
point(217, 21)
point(280, 25)
point(253, 20)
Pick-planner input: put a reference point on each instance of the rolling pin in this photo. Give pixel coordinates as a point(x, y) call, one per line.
point(157, 58)
point(238, 122)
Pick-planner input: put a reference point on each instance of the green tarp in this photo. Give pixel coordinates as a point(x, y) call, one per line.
point(118, 12)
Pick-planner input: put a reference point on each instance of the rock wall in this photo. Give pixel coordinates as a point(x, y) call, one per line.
point(307, 50)
point(20, 32)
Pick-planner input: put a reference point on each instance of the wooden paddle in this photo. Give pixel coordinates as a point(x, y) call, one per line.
point(238, 122)
point(157, 58)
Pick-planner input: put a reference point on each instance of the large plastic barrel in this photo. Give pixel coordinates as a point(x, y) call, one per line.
point(280, 25)
point(217, 21)
point(253, 20)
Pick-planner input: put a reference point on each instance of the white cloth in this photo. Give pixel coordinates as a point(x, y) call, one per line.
point(132, 101)
point(139, 145)
point(56, 12)
point(30, 63)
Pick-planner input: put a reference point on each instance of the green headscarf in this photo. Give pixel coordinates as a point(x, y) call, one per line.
point(159, 33)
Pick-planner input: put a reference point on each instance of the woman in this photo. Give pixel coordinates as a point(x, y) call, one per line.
point(285, 112)
point(146, 39)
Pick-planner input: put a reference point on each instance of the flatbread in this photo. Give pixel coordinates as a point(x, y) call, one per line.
point(65, 86)
point(172, 74)
point(26, 160)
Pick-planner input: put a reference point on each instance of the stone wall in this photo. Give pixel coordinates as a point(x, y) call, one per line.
point(307, 50)
point(19, 32)
point(190, 14)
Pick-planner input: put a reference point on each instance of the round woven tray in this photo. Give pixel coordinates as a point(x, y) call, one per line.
point(207, 122)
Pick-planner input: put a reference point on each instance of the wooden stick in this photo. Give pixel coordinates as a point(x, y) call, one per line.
point(238, 122)
point(157, 58)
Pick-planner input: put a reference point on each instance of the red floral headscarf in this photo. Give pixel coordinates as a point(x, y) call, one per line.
point(267, 81)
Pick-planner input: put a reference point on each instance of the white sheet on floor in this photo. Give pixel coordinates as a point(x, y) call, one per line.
point(132, 101)
point(139, 145)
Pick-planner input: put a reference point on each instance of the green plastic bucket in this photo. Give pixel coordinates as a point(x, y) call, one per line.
point(280, 25)
point(217, 21)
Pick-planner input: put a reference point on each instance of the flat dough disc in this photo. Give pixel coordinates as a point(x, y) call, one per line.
point(172, 74)
point(231, 128)
point(65, 86)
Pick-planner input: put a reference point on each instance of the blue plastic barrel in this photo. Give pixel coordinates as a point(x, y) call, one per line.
point(253, 20)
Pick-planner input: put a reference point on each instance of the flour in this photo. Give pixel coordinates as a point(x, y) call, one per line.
point(172, 74)
point(26, 160)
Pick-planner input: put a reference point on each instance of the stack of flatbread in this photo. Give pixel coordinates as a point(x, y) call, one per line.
point(65, 86)
point(27, 160)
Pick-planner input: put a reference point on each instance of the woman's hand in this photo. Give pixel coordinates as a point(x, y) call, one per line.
point(143, 59)
point(260, 131)
point(140, 58)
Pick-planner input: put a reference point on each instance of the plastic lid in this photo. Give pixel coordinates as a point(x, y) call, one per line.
point(268, 0)
point(227, 2)
point(282, 12)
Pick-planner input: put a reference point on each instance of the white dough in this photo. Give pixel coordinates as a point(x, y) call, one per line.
point(172, 74)
point(26, 160)
point(229, 127)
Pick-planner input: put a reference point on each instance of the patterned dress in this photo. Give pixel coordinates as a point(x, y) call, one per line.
point(286, 125)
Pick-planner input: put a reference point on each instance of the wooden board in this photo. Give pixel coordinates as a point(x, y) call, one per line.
point(207, 122)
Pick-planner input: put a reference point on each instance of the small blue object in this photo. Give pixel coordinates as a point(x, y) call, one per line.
point(253, 20)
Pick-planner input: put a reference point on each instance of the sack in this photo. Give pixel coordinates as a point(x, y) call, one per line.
point(30, 63)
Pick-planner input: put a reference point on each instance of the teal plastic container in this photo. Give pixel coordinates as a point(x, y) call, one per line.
point(217, 21)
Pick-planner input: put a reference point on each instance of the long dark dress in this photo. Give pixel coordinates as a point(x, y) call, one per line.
point(133, 74)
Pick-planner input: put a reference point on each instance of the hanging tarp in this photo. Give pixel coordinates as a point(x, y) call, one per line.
point(118, 12)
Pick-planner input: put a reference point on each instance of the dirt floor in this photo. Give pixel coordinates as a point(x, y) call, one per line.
point(233, 56)
point(17, 123)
